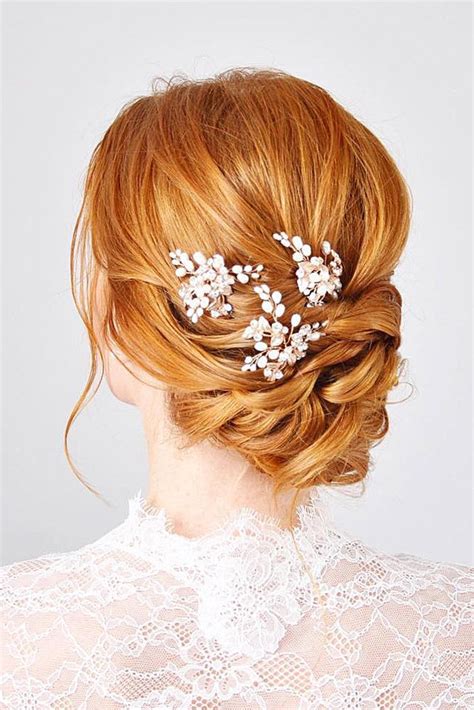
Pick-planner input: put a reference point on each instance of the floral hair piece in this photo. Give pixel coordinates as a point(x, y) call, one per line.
point(277, 345)
point(208, 282)
point(316, 276)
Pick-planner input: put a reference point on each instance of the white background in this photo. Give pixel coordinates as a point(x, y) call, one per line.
point(401, 68)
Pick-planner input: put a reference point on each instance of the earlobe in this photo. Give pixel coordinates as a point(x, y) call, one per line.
point(121, 382)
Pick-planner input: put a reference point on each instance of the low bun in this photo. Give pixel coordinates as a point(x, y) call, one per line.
point(317, 425)
point(219, 166)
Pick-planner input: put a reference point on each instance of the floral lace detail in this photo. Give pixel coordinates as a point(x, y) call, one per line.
point(249, 616)
point(250, 581)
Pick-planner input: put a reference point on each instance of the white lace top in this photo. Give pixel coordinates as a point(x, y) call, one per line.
point(239, 618)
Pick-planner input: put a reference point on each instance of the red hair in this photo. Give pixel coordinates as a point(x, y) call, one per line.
point(218, 166)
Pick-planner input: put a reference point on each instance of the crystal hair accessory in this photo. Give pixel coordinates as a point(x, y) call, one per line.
point(277, 345)
point(317, 277)
point(209, 282)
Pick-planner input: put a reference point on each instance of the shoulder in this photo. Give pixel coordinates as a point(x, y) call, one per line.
point(354, 551)
point(56, 611)
point(50, 584)
point(37, 576)
point(403, 606)
point(34, 601)
point(63, 581)
point(405, 575)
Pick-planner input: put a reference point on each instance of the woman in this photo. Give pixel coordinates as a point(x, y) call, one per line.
point(235, 250)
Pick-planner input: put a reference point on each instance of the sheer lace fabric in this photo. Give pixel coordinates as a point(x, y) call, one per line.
point(250, 616)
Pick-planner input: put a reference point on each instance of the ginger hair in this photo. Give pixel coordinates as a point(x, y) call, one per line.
point(218, 165)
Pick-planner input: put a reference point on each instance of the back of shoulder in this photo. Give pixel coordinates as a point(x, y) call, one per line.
point(26, 572)
point(50, 619)
point(419, 577)
point(431, 578)
point(415, 611)
point(435, 595)
point(22, 582)
point(414, 573)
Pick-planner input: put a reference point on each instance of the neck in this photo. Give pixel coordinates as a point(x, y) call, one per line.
point(200, 486)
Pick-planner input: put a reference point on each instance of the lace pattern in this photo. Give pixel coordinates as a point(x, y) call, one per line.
point(250, 616)
point(250, 586)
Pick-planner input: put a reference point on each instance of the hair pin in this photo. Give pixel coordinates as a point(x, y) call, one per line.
point(209, 282)
point(316, 276)
point(277, 345)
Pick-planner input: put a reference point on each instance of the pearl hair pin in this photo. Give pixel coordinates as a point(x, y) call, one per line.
point(209, 282)
point(316, 276)
point(278, 347)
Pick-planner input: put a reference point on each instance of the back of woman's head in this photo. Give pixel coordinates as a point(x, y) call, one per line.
point(219, 166)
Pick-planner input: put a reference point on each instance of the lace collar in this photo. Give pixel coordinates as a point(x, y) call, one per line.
point(252, 578)
point(311, 514)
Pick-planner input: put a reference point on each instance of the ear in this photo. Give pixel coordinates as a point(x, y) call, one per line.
point(121, 381)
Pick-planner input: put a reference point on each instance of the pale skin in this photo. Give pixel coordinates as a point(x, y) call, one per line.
point(200, 486)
